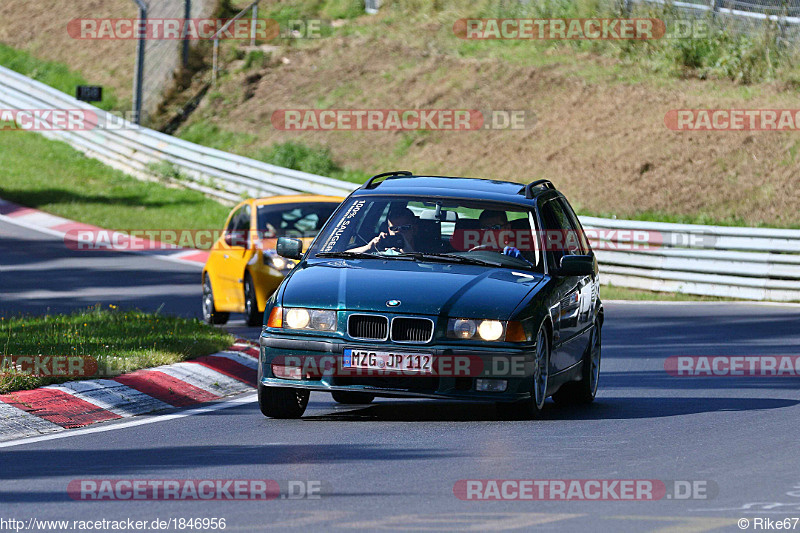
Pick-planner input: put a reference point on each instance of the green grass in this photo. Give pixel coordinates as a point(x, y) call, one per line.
point(56, 75)
point(120, 341)
point(295, 155)
point(54, 177)
point(719, 53)
point(611, 292)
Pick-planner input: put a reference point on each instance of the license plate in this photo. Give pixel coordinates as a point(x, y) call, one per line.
point(387, 361)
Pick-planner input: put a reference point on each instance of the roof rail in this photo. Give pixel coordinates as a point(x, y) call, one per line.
point(369, 184)
point(528, 189)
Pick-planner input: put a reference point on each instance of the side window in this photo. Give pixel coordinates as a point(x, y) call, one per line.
point(244, 218)
point(582, 240)
point(239, 226)
point(559, 234)
point(232, 222)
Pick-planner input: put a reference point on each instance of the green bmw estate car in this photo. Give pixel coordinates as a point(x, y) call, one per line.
point(437, 287)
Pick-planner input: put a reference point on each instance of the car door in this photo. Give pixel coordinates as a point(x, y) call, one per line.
point(234, 251)
point(241, 250)
point(589, 285)
point(216, 263)
point(561, 239)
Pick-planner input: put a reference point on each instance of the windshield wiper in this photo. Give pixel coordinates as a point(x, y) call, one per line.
point(349, 255)
point(449, 258)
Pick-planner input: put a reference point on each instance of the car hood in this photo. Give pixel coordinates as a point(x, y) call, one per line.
point(422, 288)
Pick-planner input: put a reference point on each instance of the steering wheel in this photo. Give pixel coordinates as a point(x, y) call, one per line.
point(358, 236)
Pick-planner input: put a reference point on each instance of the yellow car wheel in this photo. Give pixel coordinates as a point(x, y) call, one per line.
point(251, 311)
point(210, 313)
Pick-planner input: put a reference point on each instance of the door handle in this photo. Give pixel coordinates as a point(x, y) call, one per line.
point(226, 256)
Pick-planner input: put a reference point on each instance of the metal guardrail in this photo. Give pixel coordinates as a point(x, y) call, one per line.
point(748, 263)
point(135, 150)
point(732, 262)
point(759, 11)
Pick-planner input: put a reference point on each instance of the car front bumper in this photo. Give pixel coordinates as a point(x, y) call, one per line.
point(513, 365)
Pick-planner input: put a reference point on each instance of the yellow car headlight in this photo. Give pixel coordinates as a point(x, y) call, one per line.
point(273, 260)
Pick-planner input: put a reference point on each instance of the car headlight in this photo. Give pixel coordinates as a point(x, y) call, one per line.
point(301, 318)
point(464, 329)
point(486, 330)
point(272, 259)
point(297, 318)
point(491, 330)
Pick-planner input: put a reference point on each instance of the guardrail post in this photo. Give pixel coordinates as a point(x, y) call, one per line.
point(254, 25)
point(216, 37)
point(215, 68)
point(138, 82)
point(187, 14)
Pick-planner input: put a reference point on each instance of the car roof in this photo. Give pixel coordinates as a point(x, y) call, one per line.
point(296, 198)
point(454, 187)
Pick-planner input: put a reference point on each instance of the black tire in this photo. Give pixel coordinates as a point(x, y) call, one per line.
point(210, 313)
point(532, 407)
point(278, 402)
point(585, 390)
point(355, 398)
point(251, 313)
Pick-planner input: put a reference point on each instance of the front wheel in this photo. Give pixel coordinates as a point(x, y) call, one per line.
point(355, 398)
point(279, 402)
point(210, 313)
point(251, 313)
point(585, 390)
point(532, 407)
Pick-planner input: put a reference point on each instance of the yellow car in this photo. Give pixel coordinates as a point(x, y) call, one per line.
point(243, 270)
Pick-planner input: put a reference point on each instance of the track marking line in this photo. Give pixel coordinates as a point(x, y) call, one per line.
point(689, 302)
point(42, 229)
point(208, 408)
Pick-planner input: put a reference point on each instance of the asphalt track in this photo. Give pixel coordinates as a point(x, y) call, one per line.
point(39, 274)
point(393, 465)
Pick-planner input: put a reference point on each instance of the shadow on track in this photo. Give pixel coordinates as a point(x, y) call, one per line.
point(662, 380)
point(604, 408)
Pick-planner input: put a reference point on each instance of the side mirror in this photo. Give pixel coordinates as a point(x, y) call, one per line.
point(289, 248)
point(576, 265)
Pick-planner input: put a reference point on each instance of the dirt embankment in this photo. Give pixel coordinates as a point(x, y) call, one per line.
point(605, 144)
point(601, 140)
point(40, 27)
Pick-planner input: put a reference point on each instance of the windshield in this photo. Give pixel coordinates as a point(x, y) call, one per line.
point(432, 229)
point(295, 220)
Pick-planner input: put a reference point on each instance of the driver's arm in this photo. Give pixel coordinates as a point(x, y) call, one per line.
point(371, 246)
